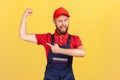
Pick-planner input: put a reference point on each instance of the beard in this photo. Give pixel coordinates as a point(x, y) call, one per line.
point(62, 32)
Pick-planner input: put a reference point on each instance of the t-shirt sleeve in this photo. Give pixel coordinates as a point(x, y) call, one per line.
point(42, 39)
point(78, 41)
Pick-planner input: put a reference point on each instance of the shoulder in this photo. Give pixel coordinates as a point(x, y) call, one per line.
point(76, 41)
point(45, 35)
point(74, 37)
point(43, 38)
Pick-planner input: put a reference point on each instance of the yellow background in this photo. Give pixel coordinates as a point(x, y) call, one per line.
point(97, 22)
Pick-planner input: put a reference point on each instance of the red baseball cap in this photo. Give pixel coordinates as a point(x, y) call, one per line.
point(60, 11)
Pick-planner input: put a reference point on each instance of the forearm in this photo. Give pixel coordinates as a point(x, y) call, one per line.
point(73, 52)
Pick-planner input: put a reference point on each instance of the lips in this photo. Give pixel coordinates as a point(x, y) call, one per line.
point(62, 26)
point(62, 29)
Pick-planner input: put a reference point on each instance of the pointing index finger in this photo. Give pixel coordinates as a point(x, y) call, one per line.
point(49, 44)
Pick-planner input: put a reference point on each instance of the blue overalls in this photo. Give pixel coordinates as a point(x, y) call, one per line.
point(59, 66)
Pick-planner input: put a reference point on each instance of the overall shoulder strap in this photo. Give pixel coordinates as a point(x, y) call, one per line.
point(52, 39)
point(69, 38)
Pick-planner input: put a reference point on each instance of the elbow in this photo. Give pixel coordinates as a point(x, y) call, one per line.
point(22, 37)
point(81, 54)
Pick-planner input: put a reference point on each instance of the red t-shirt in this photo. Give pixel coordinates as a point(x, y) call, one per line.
point(42, 39)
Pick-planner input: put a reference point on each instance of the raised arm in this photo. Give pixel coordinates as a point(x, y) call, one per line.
point(23, 31)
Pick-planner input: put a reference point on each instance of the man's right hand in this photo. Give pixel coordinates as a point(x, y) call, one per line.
point(27, 12)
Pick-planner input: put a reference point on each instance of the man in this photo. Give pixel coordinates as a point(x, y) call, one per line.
point(60, 47)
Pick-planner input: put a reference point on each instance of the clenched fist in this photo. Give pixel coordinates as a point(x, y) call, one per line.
point(27, 12)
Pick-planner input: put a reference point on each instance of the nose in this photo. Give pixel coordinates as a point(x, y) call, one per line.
point(63, 23)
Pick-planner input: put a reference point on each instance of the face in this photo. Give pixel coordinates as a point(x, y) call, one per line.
point(62, 24)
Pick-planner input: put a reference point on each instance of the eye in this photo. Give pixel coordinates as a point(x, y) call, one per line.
point(65, 20)
point(59, 20)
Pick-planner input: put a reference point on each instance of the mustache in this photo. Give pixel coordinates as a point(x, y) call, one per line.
point(63, 26)
point(62, 32)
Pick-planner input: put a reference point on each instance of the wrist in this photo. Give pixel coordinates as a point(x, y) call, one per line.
point(60, 50)
point(24, 16)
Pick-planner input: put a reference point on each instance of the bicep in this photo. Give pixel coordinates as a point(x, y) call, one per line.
point(29, 38)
